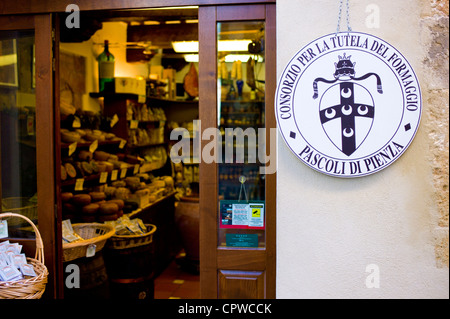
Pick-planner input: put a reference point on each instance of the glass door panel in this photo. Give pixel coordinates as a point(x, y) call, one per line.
point(241, 120)
point(18, 183)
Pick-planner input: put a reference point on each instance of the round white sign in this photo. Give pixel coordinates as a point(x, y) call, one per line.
point(348, 104)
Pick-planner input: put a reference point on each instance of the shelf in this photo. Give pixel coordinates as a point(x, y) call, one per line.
point(241, 101)
point(96, 177)
point(146, 145)
point(87, 144)
point(170, 101)
point(132, 96)
point(140, 210)
point(113, 94)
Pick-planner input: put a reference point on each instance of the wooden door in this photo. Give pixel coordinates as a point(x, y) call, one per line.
point(26, 146)
point(237, 250)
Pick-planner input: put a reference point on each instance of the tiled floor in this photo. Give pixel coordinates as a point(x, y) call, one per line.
point(176, 283)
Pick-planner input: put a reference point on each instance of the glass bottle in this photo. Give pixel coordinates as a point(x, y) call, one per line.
point(106, 70)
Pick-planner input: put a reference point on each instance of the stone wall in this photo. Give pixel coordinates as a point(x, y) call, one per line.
point(435, 39)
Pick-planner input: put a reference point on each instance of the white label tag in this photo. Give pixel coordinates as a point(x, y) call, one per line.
point(90, 251)
point(122, 144)
point(136, 169)
point(134, 124)
point(103, 177)
point(3, 229)
point(123, 173)
point(114, 174)
point(79, 184)
point(76, 122)
point(93, 146)
point(72, 148)
point(114, 120)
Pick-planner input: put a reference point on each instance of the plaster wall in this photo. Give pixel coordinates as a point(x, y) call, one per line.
point(334, 235)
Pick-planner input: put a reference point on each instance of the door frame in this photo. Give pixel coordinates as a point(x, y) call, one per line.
point(42, 26)
point(212, 258)
point(47, 97)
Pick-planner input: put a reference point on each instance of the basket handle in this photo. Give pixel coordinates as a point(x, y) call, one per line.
point(39, 243)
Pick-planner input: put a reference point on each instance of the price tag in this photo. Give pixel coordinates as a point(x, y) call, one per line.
point(72, 148)
point(76, 122)
point(90, 250)
point(123, 173)
point(134, 124)
point(79, 184)
point(136, 169)
point(103, 177)
point(114, 120)
point(122, 143)
point(3, 229)
point(114, 174)
point(93, 146)
point(142, 99)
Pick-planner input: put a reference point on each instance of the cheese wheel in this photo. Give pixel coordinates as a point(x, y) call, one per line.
point(101, 156)
point(97, 196)
point(66, 196)
point(87, 168)
point(90, 209)
point(81, 199)
point(85, 155)
point(118, 202)
point(108, 209)
point(122, 193)
point(70, 137)
point(63, 173)
point(70, 169)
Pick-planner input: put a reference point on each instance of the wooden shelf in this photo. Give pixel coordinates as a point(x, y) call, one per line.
point(87, 144)
point(132, 96)
point(140, 210)
point(113, 94)
point(146, 145)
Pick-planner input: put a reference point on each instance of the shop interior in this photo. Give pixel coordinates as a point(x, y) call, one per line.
point(115, 144)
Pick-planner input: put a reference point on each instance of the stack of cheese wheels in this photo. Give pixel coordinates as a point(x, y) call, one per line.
point(108, 211)
point(84, 207)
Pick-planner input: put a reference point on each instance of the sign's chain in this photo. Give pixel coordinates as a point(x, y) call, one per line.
point(338, 29)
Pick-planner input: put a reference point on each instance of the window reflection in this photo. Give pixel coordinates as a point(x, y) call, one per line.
point(18, 185)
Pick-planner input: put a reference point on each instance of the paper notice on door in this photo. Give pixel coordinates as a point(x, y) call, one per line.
point(237, 215)
point(240, 214)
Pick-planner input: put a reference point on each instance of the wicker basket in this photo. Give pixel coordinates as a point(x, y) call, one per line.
point(32, 288)
point(93, 233)
point(131, 241)
point(19, 205)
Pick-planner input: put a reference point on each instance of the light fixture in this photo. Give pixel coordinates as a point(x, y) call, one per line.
point(223, 46)
point(191, 58)
point(230, 58)
point(185, 46)
point(233, 45)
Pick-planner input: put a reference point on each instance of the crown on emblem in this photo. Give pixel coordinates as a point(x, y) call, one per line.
point(344, 67)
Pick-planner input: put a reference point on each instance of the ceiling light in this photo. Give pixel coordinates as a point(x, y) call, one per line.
point(242, 57)
point(223, 46)
point(233, 45)
point(185, 46)
point(191, 58)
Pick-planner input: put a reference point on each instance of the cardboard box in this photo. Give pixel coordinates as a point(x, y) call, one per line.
point(130, 85)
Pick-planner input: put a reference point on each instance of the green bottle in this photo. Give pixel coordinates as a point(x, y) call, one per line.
point(106, 70)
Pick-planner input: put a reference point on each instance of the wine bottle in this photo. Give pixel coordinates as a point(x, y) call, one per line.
point(106, 70)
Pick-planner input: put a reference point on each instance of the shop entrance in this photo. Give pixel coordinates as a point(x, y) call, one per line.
point(171, 140)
